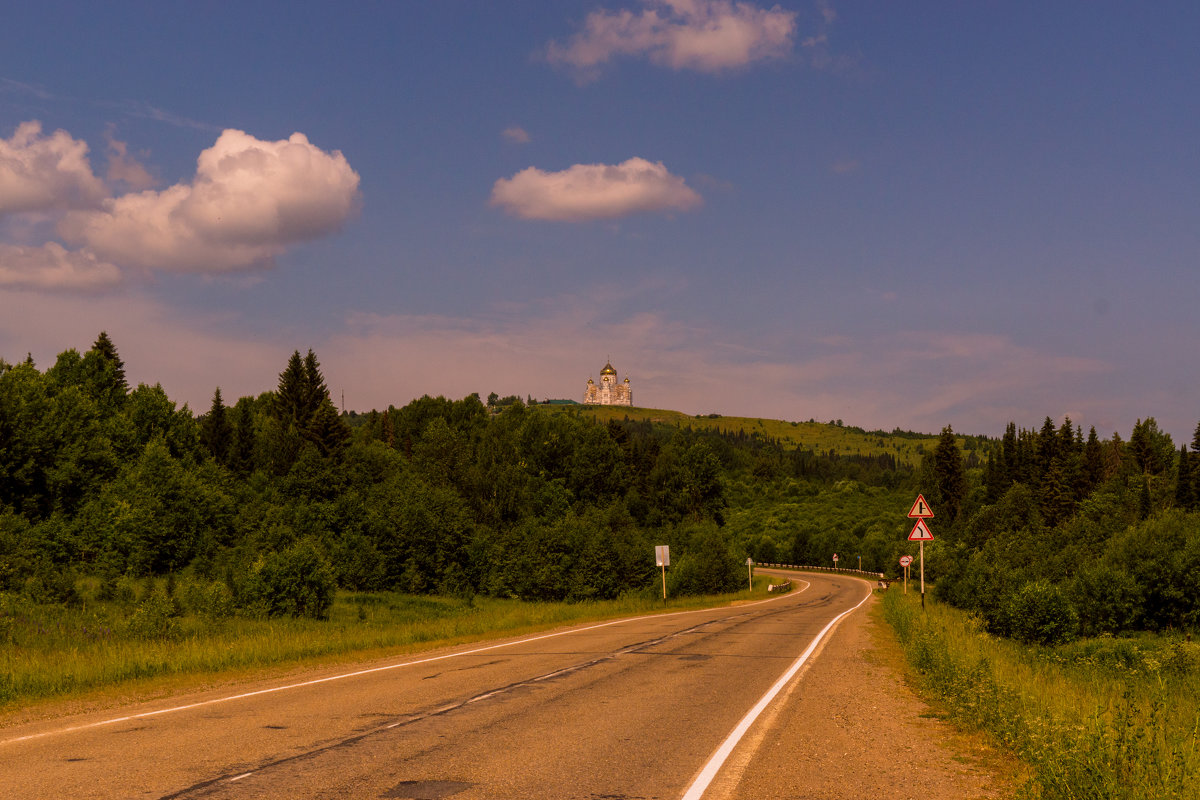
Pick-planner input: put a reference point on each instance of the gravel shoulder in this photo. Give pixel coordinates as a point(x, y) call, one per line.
point(850, 727)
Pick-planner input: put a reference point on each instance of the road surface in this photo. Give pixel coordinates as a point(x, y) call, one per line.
point(633, 708)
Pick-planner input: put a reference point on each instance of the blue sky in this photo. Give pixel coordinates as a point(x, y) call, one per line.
point(895, 214)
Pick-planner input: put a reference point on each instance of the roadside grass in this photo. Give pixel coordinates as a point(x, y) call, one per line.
point(52, 653)
point(1103, 718)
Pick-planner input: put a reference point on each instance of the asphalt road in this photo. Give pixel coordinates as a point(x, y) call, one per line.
point(635, 708)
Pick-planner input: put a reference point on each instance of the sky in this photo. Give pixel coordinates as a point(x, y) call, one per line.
point(899, 215)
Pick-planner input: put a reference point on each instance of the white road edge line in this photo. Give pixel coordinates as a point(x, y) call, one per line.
point(358, 673)
point(239, 777)
point(709, 772)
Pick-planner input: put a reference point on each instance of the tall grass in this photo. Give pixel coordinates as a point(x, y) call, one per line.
point(51, 651)
point(1117, 719)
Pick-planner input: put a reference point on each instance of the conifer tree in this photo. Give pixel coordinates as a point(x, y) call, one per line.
point(104, 346)
point(1184, 490)
point(948, 473)
point(241, 445)
point(290, 396)
point(215, 431)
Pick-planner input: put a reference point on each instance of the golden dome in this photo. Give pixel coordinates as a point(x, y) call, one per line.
point(608, 369)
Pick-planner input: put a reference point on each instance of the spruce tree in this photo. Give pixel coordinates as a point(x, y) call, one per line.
point(948, 473)
point(1184, 490)
point(104, 346)
point(315, 390)
point(290, 399)
point(215, 431)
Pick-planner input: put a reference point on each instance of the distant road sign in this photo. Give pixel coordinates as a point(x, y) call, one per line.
point(905, 560)
point(662, 555)
point(920, 509)
point(920, 532)
point(835, 558)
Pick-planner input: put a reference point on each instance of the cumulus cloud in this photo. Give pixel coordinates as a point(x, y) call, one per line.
point(249, 200)
point(516, 135)
point(52, 266)
point(125, 169)
point(46, 173)
point(702, 35)
point(594, 191)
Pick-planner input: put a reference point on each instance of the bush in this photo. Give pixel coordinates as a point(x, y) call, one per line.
point(296, 582)
point(156, 616)
point(1038, 613)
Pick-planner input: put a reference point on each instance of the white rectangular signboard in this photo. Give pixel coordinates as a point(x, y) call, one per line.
point(662, 555)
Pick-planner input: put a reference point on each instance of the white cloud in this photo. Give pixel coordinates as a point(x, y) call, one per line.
point(44, 173)
point(594, 191)
point(516, 134)
point(249, 200)
point(125, 169)
point(702, 35)
point(52, 266)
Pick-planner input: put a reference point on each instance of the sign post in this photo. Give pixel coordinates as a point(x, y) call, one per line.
point(662, 558)
point(835, 560)
point(750, 569)
point(904, 562)
point(921, 511)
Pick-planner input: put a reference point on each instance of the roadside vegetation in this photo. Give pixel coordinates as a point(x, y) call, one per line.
point(1103, 718)
point(160, 630)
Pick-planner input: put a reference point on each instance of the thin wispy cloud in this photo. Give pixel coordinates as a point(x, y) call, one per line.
point(515, 135)
point(586, 192)
point(701, 35)
point(9, 85)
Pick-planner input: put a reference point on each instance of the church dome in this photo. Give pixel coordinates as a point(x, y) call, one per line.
point(608, 369)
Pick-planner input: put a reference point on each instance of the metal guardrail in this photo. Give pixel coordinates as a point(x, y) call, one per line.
point(878, 575)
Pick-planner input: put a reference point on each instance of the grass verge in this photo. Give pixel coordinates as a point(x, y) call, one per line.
point(51, 653)
point(1107, 718)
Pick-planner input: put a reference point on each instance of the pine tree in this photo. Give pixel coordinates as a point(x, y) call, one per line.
point(215, 431)
point(315, 390)
point(1184, 491)
point(241, 446)
point(290, 397)
point(104, 346)
point(1093, 462)
point(948, 473)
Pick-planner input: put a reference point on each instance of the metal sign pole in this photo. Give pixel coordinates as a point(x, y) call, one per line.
point(922, 574)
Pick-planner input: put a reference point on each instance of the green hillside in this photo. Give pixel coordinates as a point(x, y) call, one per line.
point(821, 437)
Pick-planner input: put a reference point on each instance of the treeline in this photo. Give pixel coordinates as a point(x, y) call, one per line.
point(269, 504)
point(1060, 535)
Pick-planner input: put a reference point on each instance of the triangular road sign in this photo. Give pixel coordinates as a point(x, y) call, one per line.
point(920, 532)
point(920, 509)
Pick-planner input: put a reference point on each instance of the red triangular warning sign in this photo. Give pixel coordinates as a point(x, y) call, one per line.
point(920, 509)
point(920, 532)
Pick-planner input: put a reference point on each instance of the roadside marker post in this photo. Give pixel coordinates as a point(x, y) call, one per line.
point(662, 558)
point(921, 511)
point(750, 569)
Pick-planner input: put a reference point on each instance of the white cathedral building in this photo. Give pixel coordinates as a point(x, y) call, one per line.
point(608, 392)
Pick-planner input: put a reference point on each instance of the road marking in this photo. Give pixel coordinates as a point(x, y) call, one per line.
point(709, 772)
point(239, 777)
point(372, 670)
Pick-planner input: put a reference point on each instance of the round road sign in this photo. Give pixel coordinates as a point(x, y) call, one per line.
point(905, 560)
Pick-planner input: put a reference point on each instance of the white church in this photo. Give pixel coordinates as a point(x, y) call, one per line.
point(608, 392)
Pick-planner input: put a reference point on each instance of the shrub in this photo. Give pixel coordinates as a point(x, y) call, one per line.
point(1039, 613)
point(296, 582)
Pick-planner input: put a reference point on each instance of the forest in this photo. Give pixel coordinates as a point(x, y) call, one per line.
point(268, 505)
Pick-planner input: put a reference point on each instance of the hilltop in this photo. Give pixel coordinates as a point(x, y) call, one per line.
point(821, 437)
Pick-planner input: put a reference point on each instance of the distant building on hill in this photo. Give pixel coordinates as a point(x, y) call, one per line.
point(608, 392)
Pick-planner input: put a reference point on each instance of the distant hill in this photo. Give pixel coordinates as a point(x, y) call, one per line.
point(908, 447)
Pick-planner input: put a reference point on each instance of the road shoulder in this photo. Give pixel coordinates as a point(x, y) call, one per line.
point(850, 726)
